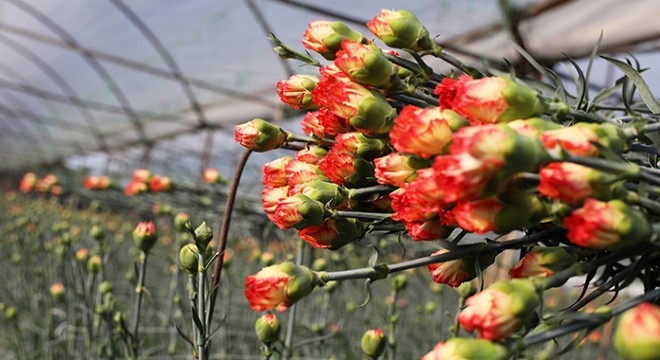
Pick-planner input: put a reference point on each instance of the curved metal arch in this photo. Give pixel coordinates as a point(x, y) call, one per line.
point(98, 68)
point(60, 82)
point(165, 55)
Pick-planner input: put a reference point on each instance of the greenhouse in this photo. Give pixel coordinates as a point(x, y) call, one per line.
point(300, 179)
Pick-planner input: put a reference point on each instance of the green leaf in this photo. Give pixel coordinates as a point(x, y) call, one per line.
point(549, 74)
point(644, 90)
point(582, 85)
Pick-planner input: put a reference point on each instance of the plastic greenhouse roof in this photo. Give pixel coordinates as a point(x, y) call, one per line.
point(85, 81)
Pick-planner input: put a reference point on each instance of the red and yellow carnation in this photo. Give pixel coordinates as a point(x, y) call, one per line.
point(424, 132)
point(297, 91)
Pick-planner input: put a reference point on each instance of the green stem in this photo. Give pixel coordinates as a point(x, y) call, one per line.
point(583, 324)
point(377, 189)
point(561, 277)
point(462, 252)
point(291, 321)
point(201, 306)
point(135, 345)
point(361, 215)
point(308, 140)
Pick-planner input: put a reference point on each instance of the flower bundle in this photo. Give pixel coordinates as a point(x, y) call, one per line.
point(392, 145)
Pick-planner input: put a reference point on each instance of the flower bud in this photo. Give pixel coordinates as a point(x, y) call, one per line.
point(299, 172)
point(333, 233)
point(637, 334)
point(274, 172)
point(135, 188)
point(543, 262)
point(397, 168)
point(97, 233)
point(311, 154)
point(500, 310)
point(424, 132)
point(270, 198)
point(606, 225)
point(188, 258)
point(260, 135)
point(373, 343)
point(345, 168)
point(145, 235)
point(159, 183)
point(97, 183)
point(324, 124)
point(324, 192)
point(142, 175)
point(367, 110)
point(57, 291)
point(489, 100)
point(82, 255)
point(579, 139)
point(533, 127)
point(573, 183)
point(279, 286)
point(456, 272)
point(204, 234)
point(298, 211)
point(181, 222)
point(511, 210)
point(400, 281)
point(28, 182)
point(325, 37)
point(105, 287)
point(499, 147)
point(94, 264)
point(366, 64)
point(466, 289)
point(467, 349)
point(267, 328)
point(360, 145)
point(297, 91)
point(400, 29)
point(213, 176)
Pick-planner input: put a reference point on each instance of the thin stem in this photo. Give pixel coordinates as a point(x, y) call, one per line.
point(142, 259)
point(582, 324)
point(224, 232)
point(560, 278)
point(291, 321)
point(461, 252)
point(361, 215)
point(377, 189)
point(201, 306)
point(309, 140)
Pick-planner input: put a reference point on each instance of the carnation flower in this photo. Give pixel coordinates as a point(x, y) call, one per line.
point(500, 310)
point(325, 37)
point(297, 91)
point(260, 135)
point(637, 334)
point(400, 29)
point(424, 132)
point(279, 286)
point(467, 349)
point(606, 225)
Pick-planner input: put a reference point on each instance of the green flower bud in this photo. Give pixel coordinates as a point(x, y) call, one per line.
point(268, 328)
point(400, 281)
point(373, 343)
point(325, 192)
point(204, 234)
point(180, 222)
point(94, 264)
point(401, 29)
point(188, 258)
point(260, 135)
point(57, 291)
point(145, 236)
point(97, 233)
point(105, 287)
point(636, 336)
